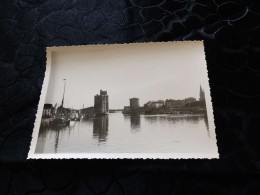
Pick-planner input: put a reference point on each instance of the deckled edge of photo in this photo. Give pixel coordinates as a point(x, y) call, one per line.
point(44, 90)
point(177, 156)
point(209, 104)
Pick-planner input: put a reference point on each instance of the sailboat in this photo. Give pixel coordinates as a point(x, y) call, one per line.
point(62, 117)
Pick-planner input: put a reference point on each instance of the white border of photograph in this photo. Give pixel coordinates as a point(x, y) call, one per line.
point(33, 155)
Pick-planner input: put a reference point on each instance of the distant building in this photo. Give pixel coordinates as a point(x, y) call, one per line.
point(101, 103)
point(134, 107)
point(89, 110)
point(169, 103)
point(154, 104)
point(127, 110)
point(47, 110)
point(189, 100)
point(158, 104)
point(134, 103)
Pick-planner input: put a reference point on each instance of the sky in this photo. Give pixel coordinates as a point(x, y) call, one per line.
point(148, 71)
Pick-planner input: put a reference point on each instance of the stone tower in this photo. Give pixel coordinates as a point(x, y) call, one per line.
point(101, 103)
point(134, 103)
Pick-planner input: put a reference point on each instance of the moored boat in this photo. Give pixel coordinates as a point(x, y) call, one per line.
point(60, 120)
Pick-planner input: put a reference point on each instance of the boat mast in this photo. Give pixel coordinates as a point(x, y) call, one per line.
point(63, 93)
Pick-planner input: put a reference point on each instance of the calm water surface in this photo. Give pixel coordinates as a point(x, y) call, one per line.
point(118, 133)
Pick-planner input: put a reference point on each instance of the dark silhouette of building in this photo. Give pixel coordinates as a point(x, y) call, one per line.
point(101, 103)
point(127, 110)
point(134, 103)
point(47, 110)
point(154, 104)
point(134, 107)
point(171, 104)
point(202, 95)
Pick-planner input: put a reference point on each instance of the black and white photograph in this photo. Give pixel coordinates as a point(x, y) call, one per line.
point(142, 100)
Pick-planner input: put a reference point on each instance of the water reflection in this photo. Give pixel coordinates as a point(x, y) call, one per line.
point(57, 136)
point(100, 128)
point(56, 130)
point(78, 135)
point(172, 119)
point(49, 125)
point(207, 124)
point(135, 122)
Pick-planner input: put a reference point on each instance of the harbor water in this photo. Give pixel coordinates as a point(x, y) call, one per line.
point(119, 133)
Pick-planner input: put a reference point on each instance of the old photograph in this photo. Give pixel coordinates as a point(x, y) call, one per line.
point(142, 100)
